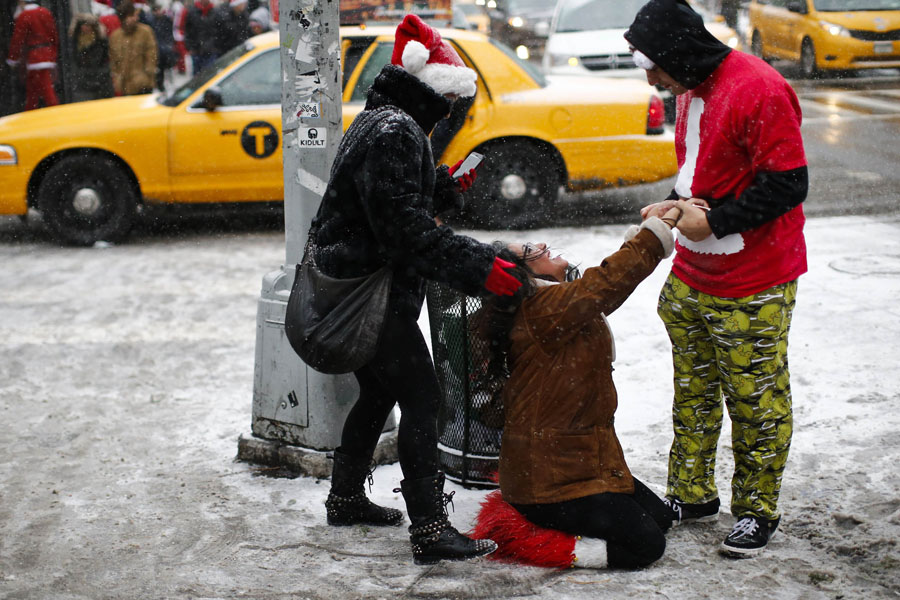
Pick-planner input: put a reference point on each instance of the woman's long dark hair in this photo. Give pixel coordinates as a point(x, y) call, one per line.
point(490, 328)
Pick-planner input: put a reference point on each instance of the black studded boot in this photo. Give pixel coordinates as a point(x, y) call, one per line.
point(433, 537)
point(347, 503)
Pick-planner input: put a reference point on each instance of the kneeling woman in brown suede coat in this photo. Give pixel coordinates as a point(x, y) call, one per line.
point(561, 464)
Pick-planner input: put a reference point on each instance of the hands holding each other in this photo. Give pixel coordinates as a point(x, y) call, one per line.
point(464, 181)
point(688, 215)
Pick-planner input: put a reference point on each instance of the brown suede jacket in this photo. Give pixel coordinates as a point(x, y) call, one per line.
point(559, 442)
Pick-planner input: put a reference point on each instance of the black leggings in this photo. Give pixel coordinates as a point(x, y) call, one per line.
point(401, 373)
point(633, 525)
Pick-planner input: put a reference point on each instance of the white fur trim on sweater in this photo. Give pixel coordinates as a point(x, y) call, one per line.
point(448, 79)
point(660, 229)
point(590, 553)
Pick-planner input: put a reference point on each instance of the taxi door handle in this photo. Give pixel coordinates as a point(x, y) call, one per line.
point(228, 132)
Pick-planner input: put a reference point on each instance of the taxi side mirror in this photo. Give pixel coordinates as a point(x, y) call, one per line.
point(212, 99)
point(797, 7)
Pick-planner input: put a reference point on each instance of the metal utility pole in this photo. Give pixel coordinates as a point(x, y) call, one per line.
point(298, 412)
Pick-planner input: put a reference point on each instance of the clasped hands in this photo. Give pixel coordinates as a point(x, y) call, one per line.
point(688, 215)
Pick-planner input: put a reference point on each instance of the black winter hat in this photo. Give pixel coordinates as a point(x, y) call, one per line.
point(672, 35)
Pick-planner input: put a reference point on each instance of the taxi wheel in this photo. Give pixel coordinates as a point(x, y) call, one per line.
point(516, 188)
point(808, 60)
point(756, 48)
point(86, 198)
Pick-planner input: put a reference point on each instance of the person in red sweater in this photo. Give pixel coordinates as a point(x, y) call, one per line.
point(728, 302)
point(36, 42)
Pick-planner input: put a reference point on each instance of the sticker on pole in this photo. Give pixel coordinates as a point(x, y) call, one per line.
point(311, 138)
point(309, 110)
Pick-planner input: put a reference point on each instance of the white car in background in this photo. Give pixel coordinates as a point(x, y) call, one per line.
point(586, 37)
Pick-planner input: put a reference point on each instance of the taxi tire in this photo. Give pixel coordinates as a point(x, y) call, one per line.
point(756, 48)
point(538, 169)
point(808, 67)
point(113, 193)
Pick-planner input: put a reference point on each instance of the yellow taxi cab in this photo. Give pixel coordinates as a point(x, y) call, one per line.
point(88, 168)
point(475, 14)
point(827, 35)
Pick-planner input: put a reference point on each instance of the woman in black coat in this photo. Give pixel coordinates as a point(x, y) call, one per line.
point(379, 208)
point(90, 59)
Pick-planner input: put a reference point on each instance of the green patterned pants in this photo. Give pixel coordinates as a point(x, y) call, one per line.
point(736, 348)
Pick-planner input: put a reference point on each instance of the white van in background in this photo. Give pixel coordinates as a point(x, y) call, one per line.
point(587, 37)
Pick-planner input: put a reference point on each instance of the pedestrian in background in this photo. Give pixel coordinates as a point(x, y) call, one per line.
point(728, 301)
point(179, 18)
point(163, 32)
point(132, 50)
point(91, 78)
point(379, 209)
point(200, 35)
point(108, 17)
point(232, 25)
point(260, 21)
point(35, 44)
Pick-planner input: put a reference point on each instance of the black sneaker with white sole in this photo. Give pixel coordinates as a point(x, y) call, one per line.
point(682, 512)
point(749, 536)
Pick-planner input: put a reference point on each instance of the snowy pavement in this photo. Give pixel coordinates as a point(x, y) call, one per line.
point(126, 379)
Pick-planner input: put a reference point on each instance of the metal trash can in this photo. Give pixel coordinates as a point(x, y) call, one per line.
point(468, 434)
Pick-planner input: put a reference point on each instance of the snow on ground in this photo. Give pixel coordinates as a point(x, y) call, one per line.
point(126, 378)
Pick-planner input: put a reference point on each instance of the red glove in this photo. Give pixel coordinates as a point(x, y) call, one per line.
point(499, 281)
point(464, 181)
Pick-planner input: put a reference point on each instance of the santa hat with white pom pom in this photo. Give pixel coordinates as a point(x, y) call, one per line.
point(419, 49)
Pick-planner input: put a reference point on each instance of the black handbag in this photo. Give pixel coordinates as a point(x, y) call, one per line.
point(334, 324)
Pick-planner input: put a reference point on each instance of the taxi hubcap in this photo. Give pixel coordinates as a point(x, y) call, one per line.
point(513, 187)
point(86, 201)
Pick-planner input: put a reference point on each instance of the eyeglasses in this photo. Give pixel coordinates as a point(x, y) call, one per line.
point(531, 252)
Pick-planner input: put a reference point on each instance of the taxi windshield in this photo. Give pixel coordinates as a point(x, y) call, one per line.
point(200, 79)
point(852, 5)
point(533, 70)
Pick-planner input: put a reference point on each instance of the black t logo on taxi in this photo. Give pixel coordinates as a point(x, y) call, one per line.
point(259, 139)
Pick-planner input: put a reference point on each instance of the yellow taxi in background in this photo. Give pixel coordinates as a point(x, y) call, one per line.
point(475, 14)
point(88, 167)
point(827, 35)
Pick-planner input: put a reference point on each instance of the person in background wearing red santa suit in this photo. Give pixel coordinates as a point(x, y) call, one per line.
point(36, 41)
point(379, 209)
point(727, 303)
point(108, 17)
point(179, 17)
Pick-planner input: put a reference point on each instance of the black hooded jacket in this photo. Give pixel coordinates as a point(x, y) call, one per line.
point(672, 35)
point(384, 192)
